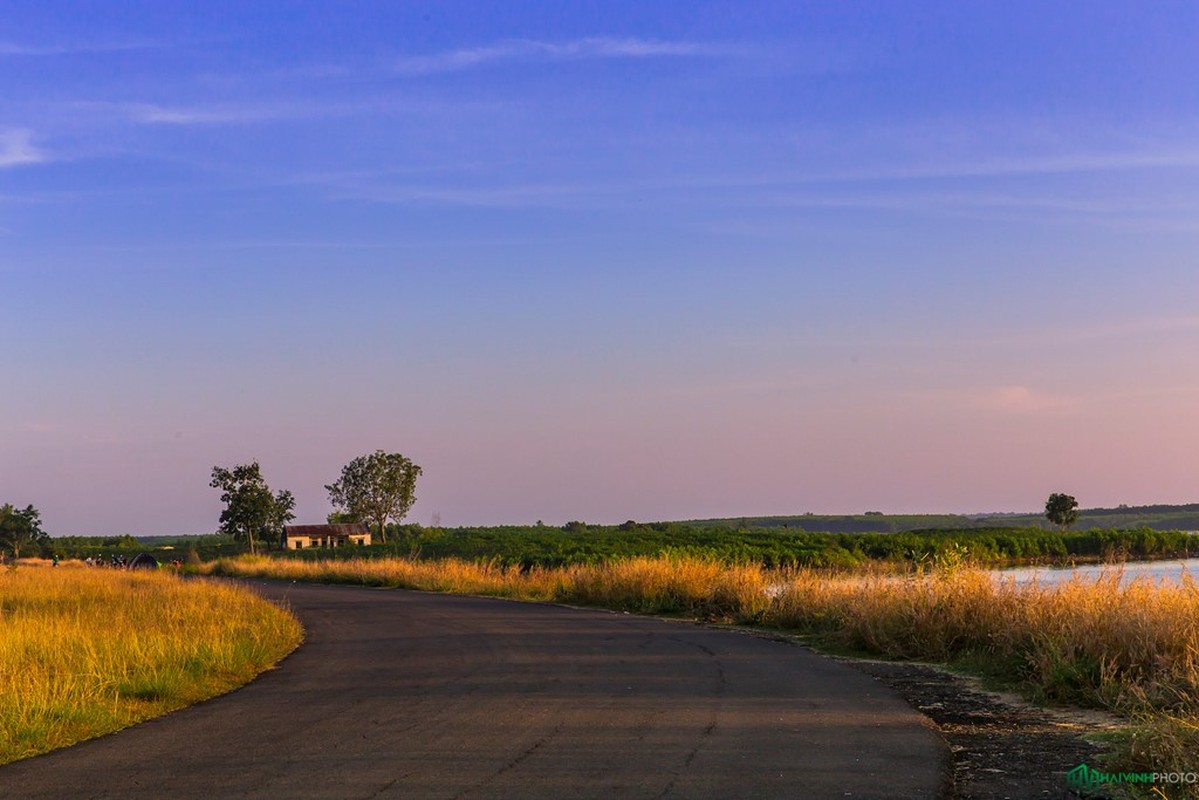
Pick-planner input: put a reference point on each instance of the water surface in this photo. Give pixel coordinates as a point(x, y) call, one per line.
point(1160, 571)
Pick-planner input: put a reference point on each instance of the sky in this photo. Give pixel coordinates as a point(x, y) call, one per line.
point(598, 260)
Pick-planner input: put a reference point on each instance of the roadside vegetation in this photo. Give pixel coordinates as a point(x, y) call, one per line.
point(578, 543)
point(204, 547)
point(1128, 647)
point(89, 651)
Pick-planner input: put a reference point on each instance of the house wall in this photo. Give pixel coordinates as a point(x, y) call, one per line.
point(302, 542)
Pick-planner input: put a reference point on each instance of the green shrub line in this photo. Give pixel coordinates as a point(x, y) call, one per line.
point(772, 546)
point(577, 543)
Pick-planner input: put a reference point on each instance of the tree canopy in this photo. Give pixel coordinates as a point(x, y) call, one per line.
point(250, 508)
point(20, 527)
point(375, 488)
point(1061, 510)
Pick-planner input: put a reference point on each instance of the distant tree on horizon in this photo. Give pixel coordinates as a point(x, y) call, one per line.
point(20, 527)
point(1061, 510)
point(250, 508)
point(375, 488)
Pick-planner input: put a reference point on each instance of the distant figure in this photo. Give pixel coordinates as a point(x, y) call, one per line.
point(56, 559)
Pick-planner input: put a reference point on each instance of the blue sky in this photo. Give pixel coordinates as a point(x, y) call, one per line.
point(598, 260)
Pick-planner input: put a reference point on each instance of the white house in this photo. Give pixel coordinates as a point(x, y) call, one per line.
point(299, 537)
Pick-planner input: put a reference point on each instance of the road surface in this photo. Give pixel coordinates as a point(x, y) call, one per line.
point(413, 695)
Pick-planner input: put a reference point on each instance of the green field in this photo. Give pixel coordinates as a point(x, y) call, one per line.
point(1157, 517)
point(546, 546)
point(804, 540)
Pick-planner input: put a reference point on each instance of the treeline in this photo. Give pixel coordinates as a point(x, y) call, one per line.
point(1158, 517)
point(578, 543)
point(203, 547)
point(870, 522)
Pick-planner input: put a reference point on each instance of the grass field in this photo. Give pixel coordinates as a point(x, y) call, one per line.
point(1129, 647)
point(84, 652)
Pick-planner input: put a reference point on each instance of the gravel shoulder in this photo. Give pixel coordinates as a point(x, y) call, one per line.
point(1002, 746)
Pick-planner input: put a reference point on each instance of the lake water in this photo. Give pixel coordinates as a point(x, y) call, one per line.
point(1167, 571)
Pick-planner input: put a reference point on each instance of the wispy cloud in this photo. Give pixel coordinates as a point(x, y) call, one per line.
point(508, 196)
point(950, 169)
point(1124, 211)
point(17, 148)
point(216, 114)
point(1024, 400)
point(1031, 165)
point(40, 426)
point(212, 115)
point(254, 112)
point(529, 50)
point(18, 49)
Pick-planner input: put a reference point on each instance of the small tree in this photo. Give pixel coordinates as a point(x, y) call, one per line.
point(375, 488)
point(19, 528)
point(1061, 510)
point(250, 508)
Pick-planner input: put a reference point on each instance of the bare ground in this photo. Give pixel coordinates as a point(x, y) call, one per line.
point(1002, 746)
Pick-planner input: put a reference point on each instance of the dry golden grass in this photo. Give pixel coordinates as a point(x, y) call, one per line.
point(84, 652)
point(1130, 647)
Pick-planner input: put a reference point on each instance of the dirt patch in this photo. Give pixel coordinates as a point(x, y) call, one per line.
point(1002, 747)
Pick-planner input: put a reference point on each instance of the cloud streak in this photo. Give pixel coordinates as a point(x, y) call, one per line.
point(256, 112)
point(1024, 400)
point(928, 171)
point(39, 51)
point(17, 149)
point(532, 51)
point(217, 114)
point(502, 196)
point(1033, 165)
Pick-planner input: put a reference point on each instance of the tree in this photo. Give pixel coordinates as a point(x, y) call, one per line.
point(250, 508)
point(1061, 510)
point(19, 528)
point(375, 488)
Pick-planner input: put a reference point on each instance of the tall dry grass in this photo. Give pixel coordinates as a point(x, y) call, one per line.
point(84, 652)
point(1131, 647)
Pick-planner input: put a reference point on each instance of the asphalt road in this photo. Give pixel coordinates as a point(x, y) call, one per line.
point(413, 695)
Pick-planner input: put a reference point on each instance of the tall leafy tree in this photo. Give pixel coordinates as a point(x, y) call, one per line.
point(375, 488)
point(20, 527)
point(1061, 510)
point(251, 512)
